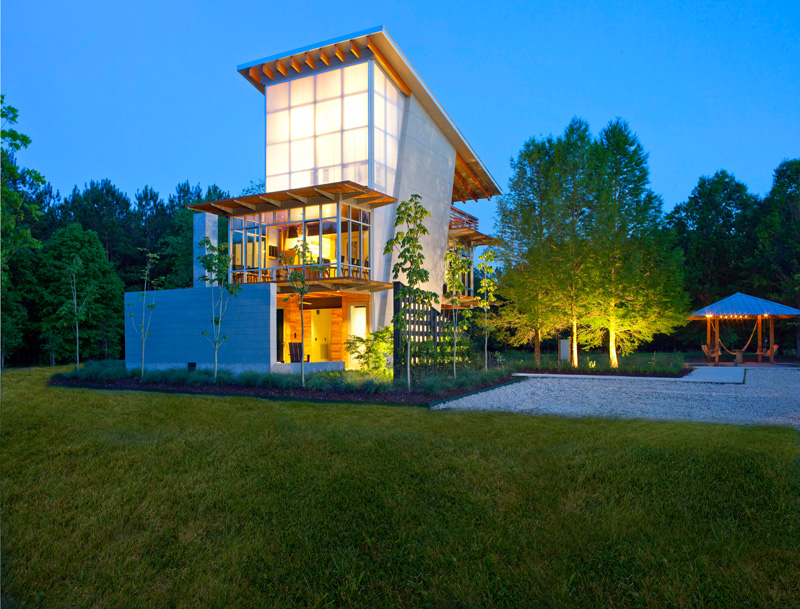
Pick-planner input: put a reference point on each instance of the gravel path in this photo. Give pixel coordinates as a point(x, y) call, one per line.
point(768, 396)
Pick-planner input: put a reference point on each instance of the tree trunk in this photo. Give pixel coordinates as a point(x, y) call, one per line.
point(486, 339)
point(216, 350)
point(797, 342)
point(302, 345)
point(574, 346)
point(537, 347)
point(612, 349)
point(77, 345)
point(455, 333)
point(408, 360)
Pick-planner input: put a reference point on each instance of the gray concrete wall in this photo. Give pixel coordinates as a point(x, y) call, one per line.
point(426, 166)
point(180, 317)
point(204, 225)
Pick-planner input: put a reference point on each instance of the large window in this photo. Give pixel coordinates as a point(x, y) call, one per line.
point(259, 240)
point(321, 127)
point(317, 129)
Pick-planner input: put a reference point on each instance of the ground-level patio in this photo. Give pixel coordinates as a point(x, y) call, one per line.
point(768, 396)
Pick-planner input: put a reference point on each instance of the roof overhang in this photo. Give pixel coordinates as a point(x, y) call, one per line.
point(350, 192)
point(472, 179)
point(743, 306)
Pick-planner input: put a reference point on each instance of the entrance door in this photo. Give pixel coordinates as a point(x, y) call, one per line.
point(321, 320)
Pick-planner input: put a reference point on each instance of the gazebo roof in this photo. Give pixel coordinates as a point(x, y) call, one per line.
point(741, 305)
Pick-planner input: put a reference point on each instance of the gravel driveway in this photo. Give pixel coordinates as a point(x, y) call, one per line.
point(768, 396)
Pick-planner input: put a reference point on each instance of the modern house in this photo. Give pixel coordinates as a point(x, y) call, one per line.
point(351, 129)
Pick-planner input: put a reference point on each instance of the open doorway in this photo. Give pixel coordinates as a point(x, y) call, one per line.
point(321, 321)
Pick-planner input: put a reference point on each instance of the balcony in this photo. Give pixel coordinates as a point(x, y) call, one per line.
point(464, 228)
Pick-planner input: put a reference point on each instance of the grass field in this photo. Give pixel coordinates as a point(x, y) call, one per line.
point(140, 499)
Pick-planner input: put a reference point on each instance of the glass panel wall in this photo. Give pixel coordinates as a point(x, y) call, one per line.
point(259, 240)
point(317, 129)
point(389, 106)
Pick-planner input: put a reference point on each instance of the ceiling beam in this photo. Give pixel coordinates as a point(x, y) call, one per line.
point(297, 67)
point(268, 72)
point(472, 176)
point(354, 48)
point(324, 57)
point(310, 61)
point(387, 66)
point(338, 52)
point(280, 67)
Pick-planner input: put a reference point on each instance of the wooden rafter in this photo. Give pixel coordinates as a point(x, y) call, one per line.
point(338, 52)
point(303, 200)
point(222, 207)
point(245, 204)
point(459, 193)
point(388, 68)
point(324, 57)
point(270, 201)
point(268, 72)
point(310, 61)
point(465, 187)
point(325, 193)
point(354, 48)
point(255, 75)
point(296, 65)
point(473, 177)
point(280, 67)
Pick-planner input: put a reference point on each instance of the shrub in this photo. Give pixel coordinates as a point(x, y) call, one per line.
point(249, 379)
point(373, 351)
point(101, 371)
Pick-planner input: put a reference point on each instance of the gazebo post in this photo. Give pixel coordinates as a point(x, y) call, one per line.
point(760, 342)
point(708, 338)
point(771, 341)
point(716, 341)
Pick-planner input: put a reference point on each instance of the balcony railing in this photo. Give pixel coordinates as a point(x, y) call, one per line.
point(460, 220)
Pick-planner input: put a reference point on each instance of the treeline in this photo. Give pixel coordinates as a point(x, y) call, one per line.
point(98, 230)
point(587, 252)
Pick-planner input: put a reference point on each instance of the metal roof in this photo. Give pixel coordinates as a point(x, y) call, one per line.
point(742, 305)
point(476, 181)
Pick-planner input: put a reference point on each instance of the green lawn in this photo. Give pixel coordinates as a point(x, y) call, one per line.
point(127, 499)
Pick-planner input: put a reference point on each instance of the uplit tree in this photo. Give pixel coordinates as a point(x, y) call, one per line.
point(297, 279)
point(216, 262)
point(410, 265)
point(486, 296)
point(457, 266)
point(635, 278)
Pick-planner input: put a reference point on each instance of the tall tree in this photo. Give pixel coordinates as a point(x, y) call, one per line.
point(102, 326)
point(635, 285)
point(486, 295)
point(713, 230)
point(526, 217)
point(457, 266)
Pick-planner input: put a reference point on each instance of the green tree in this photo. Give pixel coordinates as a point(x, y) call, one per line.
point(636, 287)
point(713, 228)
point(102, 320)
point(410, 265)
point(486, 296)
point(532, 285)
point(774, 266)
point(297, 279)
point(215, 262)
point(372, 350)
point(142, 329)
point(457, 266)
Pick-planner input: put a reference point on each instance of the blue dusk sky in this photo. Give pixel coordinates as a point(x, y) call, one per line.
point(147, 93)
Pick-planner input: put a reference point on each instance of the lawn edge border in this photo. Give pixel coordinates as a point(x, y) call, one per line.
point(463, 395)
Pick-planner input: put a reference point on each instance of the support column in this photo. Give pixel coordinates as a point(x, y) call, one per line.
point(760, 342)
point(716, 341)
point(708, 338)
point(771, 341)
point(204, 225)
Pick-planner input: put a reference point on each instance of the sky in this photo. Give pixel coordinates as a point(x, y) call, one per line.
point(147, 93)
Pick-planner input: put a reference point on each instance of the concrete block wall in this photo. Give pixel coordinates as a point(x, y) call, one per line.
point(180, 317)
point(203, 225)
point(426, 167)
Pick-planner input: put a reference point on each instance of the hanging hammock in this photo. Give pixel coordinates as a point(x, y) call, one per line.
point(743, 349)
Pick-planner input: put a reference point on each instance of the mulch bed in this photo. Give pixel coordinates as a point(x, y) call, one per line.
point(394, 397)
point(672, 375)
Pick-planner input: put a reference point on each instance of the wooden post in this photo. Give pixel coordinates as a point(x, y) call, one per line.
point(708, 339)
point(760, 342)
point(771, 341)
point(716, 341)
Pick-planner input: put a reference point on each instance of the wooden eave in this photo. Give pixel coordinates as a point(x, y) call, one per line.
point(471, 236)
point(349, 192)
point(336, 284)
